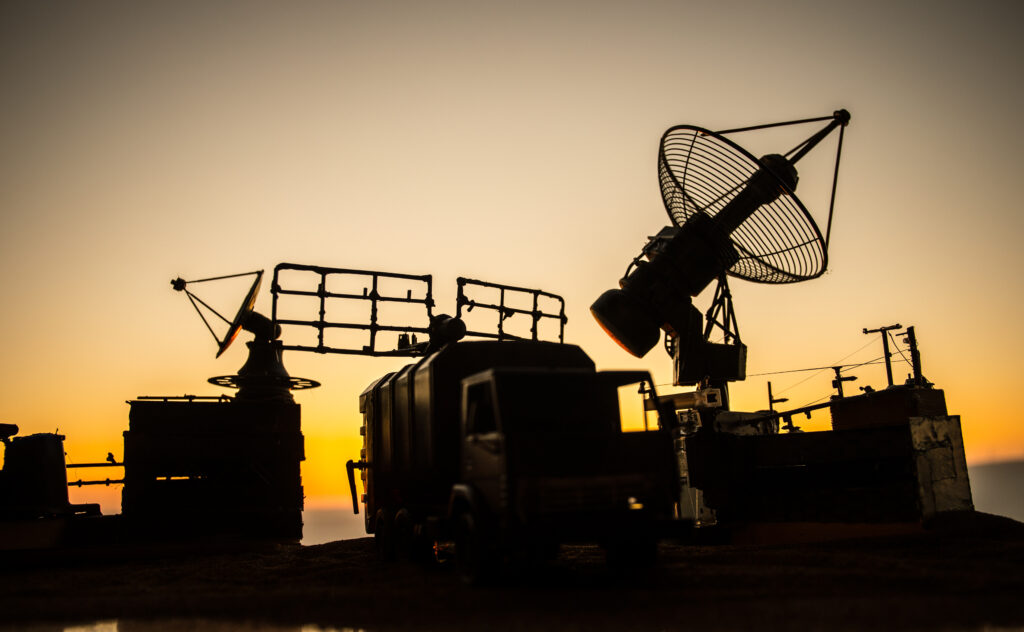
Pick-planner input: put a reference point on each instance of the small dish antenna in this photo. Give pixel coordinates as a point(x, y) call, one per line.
point(263, 375)
point(245, 310)
point(236, 324)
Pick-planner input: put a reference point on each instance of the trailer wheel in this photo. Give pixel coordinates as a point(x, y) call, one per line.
point(384, 535)
point(475, 555)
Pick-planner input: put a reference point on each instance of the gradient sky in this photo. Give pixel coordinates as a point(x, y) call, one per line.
point(512, 142)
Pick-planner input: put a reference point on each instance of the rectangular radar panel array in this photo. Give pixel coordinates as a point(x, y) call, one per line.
point(353, 311)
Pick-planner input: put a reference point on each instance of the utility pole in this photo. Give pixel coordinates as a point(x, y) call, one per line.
point(915, 357)
point(774, 400)
point(838, 382)
point(885, 348)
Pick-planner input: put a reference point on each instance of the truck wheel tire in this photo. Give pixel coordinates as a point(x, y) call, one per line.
point(403, 536)
point(474, 552)
point(384, 535)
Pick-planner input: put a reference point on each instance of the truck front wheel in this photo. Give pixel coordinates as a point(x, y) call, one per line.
point(475, 555)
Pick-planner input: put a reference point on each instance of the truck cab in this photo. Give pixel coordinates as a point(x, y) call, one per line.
point(545, 460)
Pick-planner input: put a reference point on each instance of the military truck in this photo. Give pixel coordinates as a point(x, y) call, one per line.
point(508, 449)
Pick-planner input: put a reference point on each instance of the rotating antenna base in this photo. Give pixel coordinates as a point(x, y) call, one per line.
point(263, 376)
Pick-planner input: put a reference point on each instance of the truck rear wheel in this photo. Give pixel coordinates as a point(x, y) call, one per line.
point(475, 555)
point(384, 535)
point(403, 534)
point(411, 543)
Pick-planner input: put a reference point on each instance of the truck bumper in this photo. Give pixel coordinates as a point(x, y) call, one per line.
point(585, 508)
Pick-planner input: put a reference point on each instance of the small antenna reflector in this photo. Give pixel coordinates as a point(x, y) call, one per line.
point(243, 313)
point(236, 324)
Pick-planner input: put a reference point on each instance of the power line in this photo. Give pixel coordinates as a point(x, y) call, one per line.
point(843, 367)
point(878, 360)
point(820, 399)
point(900, 350)
point(817, 370)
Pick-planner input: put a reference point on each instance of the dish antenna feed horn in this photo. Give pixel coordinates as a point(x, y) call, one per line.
point(263, 375)
point(732, 214)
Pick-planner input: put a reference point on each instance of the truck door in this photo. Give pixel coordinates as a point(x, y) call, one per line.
point(483, 448)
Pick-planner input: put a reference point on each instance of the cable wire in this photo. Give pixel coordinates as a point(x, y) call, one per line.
point(879, 360)
point(818, 370)
point(909, 363)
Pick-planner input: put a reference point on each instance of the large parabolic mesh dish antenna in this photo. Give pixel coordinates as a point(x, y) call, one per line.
point(733, 214)
point(701, 171)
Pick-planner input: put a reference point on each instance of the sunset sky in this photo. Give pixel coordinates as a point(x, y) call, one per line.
point(511, 142)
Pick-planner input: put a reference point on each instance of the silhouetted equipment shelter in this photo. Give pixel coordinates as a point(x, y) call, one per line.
point(893, 455)
point(34, 482)
point(213, 466)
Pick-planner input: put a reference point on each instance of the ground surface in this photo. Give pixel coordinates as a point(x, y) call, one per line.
point(965, 574)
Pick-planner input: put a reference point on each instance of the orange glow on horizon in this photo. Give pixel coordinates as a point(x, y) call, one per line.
point(507, 143)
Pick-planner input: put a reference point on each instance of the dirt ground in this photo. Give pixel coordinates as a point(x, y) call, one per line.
point(965, 573)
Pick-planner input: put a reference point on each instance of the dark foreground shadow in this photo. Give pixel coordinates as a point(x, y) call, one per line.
point(965, 573)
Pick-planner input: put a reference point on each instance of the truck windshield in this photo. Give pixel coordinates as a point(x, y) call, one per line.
point(552, 403)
